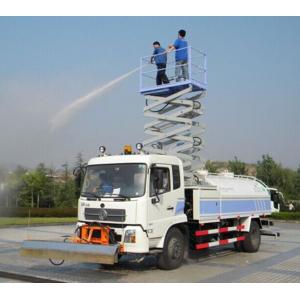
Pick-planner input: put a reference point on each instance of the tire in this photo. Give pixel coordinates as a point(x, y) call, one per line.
point(238, 247)
point(173, 252)
point(252, 238)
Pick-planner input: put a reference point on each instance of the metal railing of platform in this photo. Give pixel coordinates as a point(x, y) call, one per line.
point(195, 65)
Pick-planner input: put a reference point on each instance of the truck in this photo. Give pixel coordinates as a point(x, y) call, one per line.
point(158, 200)
point(138, 203)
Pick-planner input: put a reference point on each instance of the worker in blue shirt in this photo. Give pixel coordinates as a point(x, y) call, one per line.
point(160, 59)
point(181, 56)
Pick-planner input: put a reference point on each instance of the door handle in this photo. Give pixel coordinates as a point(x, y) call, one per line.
point(170, 207)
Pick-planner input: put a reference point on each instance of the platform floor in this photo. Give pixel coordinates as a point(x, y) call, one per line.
point(172, 88)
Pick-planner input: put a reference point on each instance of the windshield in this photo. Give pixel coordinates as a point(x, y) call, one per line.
point(109, 181)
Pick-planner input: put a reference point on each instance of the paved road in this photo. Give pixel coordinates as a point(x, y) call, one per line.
point(277, 261)
point(8, 280)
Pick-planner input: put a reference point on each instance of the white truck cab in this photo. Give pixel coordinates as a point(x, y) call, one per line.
point(139, 196)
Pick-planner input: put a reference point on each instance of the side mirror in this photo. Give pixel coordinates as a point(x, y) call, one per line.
point(79, 173)
point(155, 200)
point(80, 170)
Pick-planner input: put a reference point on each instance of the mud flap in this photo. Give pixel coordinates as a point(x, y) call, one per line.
point(270, 232)
point(268, 229)
point(105, 254)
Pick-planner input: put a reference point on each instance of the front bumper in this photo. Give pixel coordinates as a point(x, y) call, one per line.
point(141, 244)
point(105, 254)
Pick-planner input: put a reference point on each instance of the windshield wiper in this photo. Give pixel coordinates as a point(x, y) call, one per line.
point(97, 196)
point(87, 194)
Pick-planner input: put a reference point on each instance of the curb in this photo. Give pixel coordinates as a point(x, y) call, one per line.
point(27, 278)
point(285, 221)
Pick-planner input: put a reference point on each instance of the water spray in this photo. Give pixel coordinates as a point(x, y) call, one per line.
point(65, 115)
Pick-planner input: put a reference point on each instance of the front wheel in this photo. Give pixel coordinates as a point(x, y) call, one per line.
point(173, 252)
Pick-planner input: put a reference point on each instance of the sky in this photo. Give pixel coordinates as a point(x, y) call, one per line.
point(253, 98)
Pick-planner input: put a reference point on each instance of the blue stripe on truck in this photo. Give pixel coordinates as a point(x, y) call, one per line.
point(209, 207)
point(225, 206)
point(179, 207)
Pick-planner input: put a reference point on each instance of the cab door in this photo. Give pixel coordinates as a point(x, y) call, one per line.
point(162, 200)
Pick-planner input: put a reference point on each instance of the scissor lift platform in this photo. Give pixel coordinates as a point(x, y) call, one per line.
point(197, 77)
point(172, 88)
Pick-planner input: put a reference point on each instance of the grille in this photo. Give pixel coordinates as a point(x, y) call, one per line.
point(103, 214)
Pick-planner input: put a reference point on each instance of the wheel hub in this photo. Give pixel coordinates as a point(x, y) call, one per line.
point(175, 249)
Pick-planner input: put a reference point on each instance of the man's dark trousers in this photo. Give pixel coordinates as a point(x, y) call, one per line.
point(161, 76)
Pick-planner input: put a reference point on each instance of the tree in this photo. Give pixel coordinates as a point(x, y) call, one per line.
point(287, 182)
point(43, 185)
point(274, 175)
point(66, 193)
point(268, 171)
point(79, 160)
point(66, 171)
point(3, 186)
point(78, 173)
point(297, 184)
point(36, 188)
point(3, 174)
point(237, 167)
point(14, 184)
point(210, 167)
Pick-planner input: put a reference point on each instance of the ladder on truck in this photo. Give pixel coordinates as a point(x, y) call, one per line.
point(174, 108)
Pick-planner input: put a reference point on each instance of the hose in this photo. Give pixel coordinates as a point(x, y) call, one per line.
point(197, 141)
point(60, 262)
point(159, 110)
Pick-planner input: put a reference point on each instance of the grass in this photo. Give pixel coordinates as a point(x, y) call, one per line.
point(45, 220)
point(286, 215)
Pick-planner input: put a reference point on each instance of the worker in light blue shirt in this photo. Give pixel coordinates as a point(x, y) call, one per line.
point(160, 59)
point(181, 56)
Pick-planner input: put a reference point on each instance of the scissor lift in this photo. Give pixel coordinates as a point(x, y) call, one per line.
point(174, 108)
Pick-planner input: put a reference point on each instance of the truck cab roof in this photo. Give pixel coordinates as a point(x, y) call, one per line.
point(136, 158)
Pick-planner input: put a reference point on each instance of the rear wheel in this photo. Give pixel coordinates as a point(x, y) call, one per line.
point(252, 238)
point(173, 251)
point(238, 246)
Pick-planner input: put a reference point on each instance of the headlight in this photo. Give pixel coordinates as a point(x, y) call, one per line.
point(139, 146)
point(102, 150)
point(129, 236)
